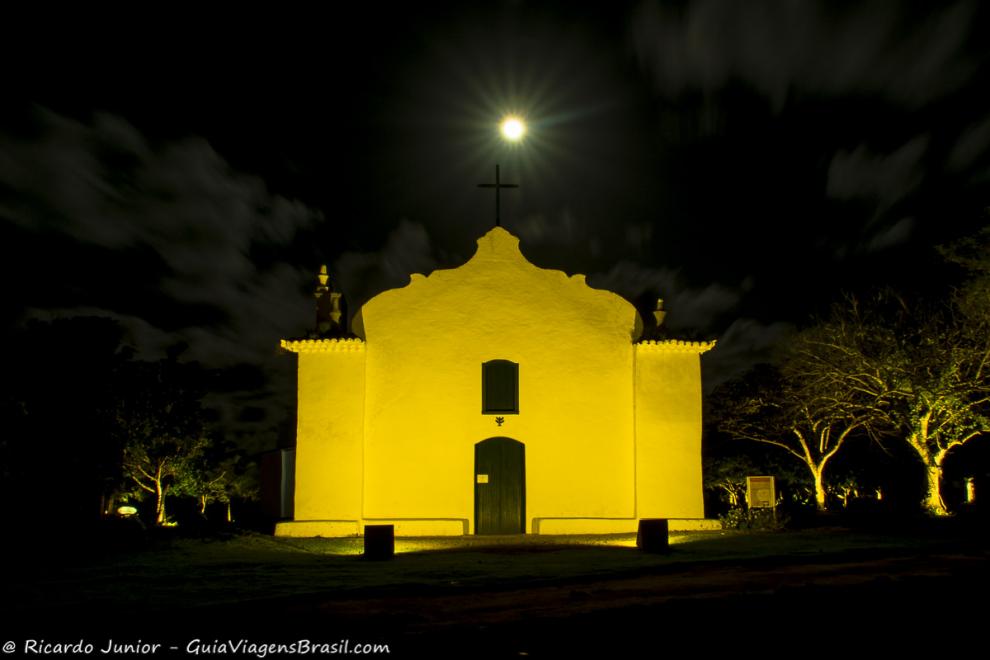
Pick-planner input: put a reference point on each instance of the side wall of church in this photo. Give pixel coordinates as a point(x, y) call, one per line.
point(330, 435)
point(668, 431)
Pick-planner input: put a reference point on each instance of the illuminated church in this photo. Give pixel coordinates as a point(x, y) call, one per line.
point(495, 398)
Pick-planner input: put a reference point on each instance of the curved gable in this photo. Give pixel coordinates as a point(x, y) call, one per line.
point(498, 289)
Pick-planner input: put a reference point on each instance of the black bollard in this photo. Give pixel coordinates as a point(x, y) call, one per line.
point(379, 541)
point(652, 535)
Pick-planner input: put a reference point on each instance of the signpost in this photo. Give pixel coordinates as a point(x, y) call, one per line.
point(761, 494)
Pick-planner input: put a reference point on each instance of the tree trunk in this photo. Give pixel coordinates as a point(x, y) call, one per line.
point(202, 505)
point(820, 501)
point(933, 501)
point(230, 518)
point(159, 504)
point(733, 496)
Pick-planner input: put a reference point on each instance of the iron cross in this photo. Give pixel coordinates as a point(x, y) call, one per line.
point(498, 185)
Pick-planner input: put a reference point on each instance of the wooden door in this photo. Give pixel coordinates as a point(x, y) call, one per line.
point(500, 487)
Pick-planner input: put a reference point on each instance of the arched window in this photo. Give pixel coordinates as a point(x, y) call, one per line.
point(499, 387)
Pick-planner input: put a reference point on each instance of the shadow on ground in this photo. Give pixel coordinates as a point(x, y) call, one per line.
point(831, 588)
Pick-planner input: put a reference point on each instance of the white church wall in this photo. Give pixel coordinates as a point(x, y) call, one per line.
point(427, 343)
point(329, 434)
point(668, 430)
point(388, 424)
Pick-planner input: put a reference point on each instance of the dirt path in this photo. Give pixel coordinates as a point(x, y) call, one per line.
point(873, 604)
point(427, 611)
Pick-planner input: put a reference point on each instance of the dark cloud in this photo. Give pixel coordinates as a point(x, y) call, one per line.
point(881, 179)
point(561, 232)
point(105, 186)
point(845, 134)
point(876, 47)
point(149, 341)
point(407, 250)
point(896, 234)
point(703, 312)
point(559, 229)
point(191, 224)
point(878, 183)
point(744, 343)
point(740, 160)
point(971, 147)
point(690, 309)
point(639, 236)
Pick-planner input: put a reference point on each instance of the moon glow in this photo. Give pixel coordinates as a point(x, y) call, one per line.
point(512, 128)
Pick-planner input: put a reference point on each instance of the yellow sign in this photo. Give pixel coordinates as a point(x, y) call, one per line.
point(760, 492)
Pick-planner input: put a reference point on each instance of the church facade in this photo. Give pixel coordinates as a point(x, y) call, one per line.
point(495, 398)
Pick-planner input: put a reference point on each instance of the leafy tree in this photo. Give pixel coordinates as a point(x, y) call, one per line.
point(243, 486)
point(854, 482)
point(727, 474)
point(921, 375)
point(781, 407)
point(223, 477)
point(79, 409)
point(727, 462)
point(163, 432)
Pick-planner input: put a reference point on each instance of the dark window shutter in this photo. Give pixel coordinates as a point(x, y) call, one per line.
point(499, 387)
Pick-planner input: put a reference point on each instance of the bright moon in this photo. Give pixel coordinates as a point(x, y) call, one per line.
point(513, 128)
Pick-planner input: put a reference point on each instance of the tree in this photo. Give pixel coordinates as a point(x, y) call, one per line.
point(222, 476)
point(920, 374)
point(242, 486)
point(727, 464)
point(726, 474)
point(163, 431)
point(780, 407)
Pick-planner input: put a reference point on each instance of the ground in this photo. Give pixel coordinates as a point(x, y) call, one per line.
point(818, 589)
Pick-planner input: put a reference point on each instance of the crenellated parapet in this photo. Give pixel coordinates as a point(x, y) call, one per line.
point(350, 345)
point(674, 346)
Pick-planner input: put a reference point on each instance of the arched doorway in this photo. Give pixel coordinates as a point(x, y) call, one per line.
point(499, 486)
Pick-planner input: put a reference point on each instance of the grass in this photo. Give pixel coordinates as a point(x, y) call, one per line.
point(191, 573)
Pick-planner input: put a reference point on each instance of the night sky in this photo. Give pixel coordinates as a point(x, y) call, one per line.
point(746, 161)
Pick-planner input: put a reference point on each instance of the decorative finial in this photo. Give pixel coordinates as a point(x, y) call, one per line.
point(322, 278)
point(330, 307)
point(659, 313)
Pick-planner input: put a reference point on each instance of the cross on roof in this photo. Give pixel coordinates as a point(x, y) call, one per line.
point(498, 185)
